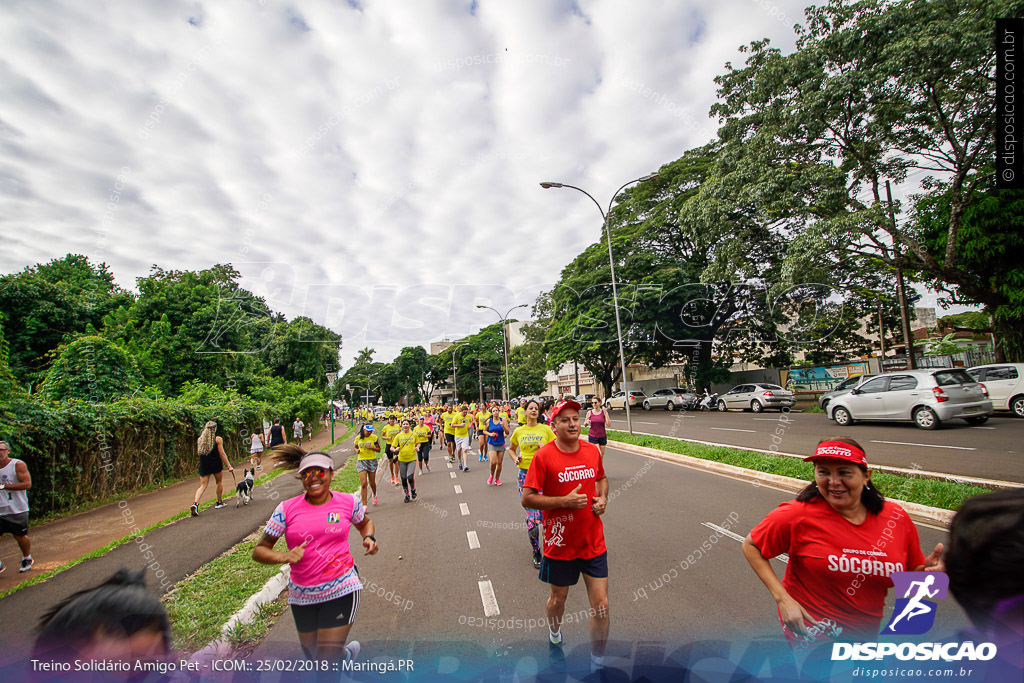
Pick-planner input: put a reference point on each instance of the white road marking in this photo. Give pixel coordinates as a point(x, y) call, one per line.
point(736, 537)
point(645, 423)
point(453, 474)
point(766, 419)
point(925, 445)
point(727, 429)
point(449, 465)
point(458, 489)
point(464, 508)
point(982, 427)
point(474, 540)
point(487, 597)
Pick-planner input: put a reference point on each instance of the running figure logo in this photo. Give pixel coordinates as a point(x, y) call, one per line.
point(914, 614)
point(556, 535)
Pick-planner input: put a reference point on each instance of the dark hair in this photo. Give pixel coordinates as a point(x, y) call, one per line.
point(870, 496)
point(277, 420)
point(288, 456)
point(986, 550)
point(362, 431)
point(121, 606)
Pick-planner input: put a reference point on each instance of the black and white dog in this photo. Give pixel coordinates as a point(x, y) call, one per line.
point(243, 490)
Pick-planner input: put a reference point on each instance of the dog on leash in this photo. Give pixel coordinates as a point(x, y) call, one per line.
point(243, 490)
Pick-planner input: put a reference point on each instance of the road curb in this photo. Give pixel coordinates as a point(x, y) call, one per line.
point(917, 512)
point(221, 649)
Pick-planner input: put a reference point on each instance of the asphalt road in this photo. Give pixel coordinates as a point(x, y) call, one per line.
point(432, 606)
point(990, 451)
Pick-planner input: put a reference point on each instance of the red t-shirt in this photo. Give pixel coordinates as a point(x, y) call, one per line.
point(838, 570)
point(569, 534)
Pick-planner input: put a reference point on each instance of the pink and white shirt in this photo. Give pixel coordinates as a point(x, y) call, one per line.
point(326, 570)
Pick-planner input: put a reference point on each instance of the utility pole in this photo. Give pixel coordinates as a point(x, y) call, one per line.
point(576, 374)
point(900, 287)
point(480, 377)
point(881, 336)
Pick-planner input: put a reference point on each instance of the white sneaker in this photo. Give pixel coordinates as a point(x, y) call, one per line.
point(353, 649)
point(555, 638)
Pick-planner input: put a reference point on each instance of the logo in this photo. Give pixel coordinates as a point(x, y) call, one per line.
point(914, 613)
point(333, 518)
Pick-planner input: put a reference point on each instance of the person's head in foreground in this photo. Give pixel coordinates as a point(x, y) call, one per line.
point(565, 418)
point(316, 470)
point(842, 477)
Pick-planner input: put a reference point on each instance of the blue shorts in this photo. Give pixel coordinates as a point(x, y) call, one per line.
point(599, 440)
point(567, 572)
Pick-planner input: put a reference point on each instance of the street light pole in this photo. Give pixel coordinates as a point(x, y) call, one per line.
point(504, 339)
point(331, 378)
point(605, 216)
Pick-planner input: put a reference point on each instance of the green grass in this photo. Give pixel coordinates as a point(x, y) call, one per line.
point(812, 409)
point(938, 493)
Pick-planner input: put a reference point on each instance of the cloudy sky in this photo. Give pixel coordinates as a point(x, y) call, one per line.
point(373, 165)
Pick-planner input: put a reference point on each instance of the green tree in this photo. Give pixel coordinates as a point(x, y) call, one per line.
point(526, 364)
point(301, 350)
point(93, 369)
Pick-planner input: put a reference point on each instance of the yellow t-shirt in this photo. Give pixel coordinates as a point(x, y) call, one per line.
point(389, 431)
point(481, 421)
point(422, 433)
point(405, 444)
point(364, 452)
point(460, 424)
point(529, 440)
point(521, 415)
point(447, 417)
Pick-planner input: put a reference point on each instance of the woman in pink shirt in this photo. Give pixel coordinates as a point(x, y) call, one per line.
point(324, 586)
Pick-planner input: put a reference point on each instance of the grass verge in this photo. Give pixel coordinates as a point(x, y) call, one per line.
point(948, 495)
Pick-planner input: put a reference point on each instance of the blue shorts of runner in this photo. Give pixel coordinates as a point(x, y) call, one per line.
point(331, 614)
point(599, 440)
point(567, 572)
point(366, 465)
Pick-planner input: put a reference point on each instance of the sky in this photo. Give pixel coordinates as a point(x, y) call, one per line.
point(372, 165)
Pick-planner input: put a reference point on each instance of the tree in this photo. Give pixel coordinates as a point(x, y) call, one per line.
point(9, 387)
point(365, 356)
point(93, 369)
point(416, 371)
point(301, 350)
point(486, 348)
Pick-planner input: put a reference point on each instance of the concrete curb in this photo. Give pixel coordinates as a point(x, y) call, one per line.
point(919, 513)
point(221, 648)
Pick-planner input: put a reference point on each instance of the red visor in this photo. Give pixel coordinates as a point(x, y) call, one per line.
point(838, 450)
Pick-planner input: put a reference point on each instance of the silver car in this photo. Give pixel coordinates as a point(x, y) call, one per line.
point(925, 397)
point(618, 400)
point(671, 399)
point(756, 397)
point(1005, 385)
point(841, 389)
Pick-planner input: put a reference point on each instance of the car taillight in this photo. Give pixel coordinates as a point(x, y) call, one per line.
point(940, 395)
point(767, 394)
point(984, 390)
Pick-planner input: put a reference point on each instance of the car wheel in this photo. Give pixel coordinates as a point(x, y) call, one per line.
point(722, 408)
point(925, 418)
point(1017, 406)
point(756, 406)
point(670, 406)
point(978, 420)
point(647, 405)
point(842, 417)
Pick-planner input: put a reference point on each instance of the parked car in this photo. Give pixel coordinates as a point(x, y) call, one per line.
point(842, 388)
point(584, 399)
point(756, 397)
point(1005, 384)
point(925, 397)
point(618, 400)
point(671, 399)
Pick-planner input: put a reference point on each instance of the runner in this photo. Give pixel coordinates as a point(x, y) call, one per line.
point(15, 481)
point(323, 585)
point(495, 430)
point(297, 427)
point(429, 420)
point(575, 492)
point(277, 435)
point(597, 420)
point(368, 457)
point(388, 434)
point(460, 426)
point(482, 417)
point(404, 445)
point(530, 437)
point(256, 447)
point(521, 414)
point(212, 460)
point(423, 437)
point(449, 433)
point(844, 540)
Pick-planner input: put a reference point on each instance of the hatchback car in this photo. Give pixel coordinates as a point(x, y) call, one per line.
point(671, 399)
point(841, 389)
point(1005, 384)
point(756, 397)
point(925, 397)
point(618, 400)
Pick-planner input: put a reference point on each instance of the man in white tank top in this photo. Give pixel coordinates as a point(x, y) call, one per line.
point(15, 482)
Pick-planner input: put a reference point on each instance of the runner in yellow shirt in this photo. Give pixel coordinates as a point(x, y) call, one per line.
point(404, 445)
point(388, 433)
point(460, 427)
point(368, 453)
point(422, 432)
point(482, 417)
point(528, 439)
point(449, 433)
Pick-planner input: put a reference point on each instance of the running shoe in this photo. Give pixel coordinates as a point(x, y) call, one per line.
point(497, 483)
point(466, 468)
point(490, 480)
point(460, 466)
point(414, 494)
point(195, 509)
point(375, 500)
point(2, 568)
point(220, 504)
point(352, 650)
point(555, 638)
point(536, 559)
point(428, 468)
point(407, 498)
point(259, 467)
point(26, 563)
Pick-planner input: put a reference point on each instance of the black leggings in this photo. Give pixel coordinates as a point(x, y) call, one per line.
point(424, 455)
point(407, 470)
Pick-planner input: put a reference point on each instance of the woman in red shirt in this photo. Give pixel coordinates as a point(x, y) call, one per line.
point(844, 540)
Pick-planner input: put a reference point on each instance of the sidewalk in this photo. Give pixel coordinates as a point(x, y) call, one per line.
point(58, 542)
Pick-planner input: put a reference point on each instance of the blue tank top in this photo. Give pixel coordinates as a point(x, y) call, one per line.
point(498, 429)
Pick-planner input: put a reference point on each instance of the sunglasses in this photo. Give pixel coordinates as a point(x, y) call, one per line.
point(319, 472)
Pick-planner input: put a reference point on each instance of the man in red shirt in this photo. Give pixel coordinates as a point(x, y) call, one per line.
point(566, 482)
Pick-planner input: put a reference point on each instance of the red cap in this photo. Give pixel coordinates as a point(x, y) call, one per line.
point(561, 405)
point(838, 450)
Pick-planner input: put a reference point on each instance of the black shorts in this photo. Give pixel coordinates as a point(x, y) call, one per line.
point(449, 438)
point(599, 440)
point(331, 614)
point(15, 525)
point(567, 572)
point(423, 452)
point(208, 466)
point(389, 453)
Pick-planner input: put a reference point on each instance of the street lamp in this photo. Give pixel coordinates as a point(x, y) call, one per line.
point(504, 341)
point(332, 377)
point(455, 372)
point(605, 215)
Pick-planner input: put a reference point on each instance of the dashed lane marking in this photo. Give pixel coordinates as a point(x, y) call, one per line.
point(474, 540)
point(458, 489)
point(487, 597)
point(925, 445)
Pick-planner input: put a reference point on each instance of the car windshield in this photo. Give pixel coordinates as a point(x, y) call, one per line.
point(945, 378)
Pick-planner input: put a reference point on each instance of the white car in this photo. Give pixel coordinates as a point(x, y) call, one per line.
point(618, 400)
point(1005, 384)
